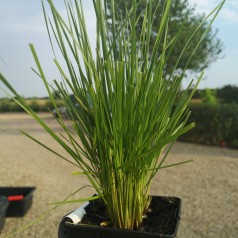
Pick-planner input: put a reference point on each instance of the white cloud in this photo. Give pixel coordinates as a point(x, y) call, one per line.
point(230, 15)
point(202, 6)
point(229, 12)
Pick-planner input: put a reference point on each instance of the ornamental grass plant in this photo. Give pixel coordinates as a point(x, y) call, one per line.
point(126, 111)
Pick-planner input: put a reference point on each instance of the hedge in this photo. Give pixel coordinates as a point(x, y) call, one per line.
point(215, 125)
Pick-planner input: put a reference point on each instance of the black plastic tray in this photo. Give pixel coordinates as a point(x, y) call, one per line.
point(18, 208)
point(68, 230)
point(3, 209)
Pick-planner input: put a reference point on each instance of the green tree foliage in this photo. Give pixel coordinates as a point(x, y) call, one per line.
point(228, 94)
point(184, 19)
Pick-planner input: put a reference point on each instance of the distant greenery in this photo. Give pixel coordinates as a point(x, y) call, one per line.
point(228, 94)
point(7, 105)
point(225, 95)
point(36, 104)
point(215, 112)
point(209, 96)
point(215, 125)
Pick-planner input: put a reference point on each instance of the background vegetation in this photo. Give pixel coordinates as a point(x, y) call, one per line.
point(183, 17)
point(36, 104)
point(215, 125)
point(215, 112)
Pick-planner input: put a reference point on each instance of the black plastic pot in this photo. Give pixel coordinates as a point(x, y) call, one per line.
point(3, 208)
point(162, 222)
point(20, 200)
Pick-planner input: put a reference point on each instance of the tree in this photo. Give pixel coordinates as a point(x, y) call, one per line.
point(183, 18)
point(228, 94)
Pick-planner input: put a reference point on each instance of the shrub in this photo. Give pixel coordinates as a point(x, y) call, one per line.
point(209, 96)
point(35, 106)
point(7, 105)
point(215, 125)
point(4, 105)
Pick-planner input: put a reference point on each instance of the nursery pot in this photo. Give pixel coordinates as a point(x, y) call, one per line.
point(3, 208)
point(161, 221)
point(20, 200)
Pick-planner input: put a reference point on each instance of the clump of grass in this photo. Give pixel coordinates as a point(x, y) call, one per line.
point(125, 111)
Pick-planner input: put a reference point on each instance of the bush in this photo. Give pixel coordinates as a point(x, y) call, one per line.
point(14, 107)
point(35, 106)
point(7, 105)
point(228, 94)
point(208, 96)
point(215, 125)
point(4, 105)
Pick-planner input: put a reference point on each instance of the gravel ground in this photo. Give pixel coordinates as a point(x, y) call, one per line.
point(208, 186)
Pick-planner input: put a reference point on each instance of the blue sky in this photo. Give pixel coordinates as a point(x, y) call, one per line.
point(22, 22)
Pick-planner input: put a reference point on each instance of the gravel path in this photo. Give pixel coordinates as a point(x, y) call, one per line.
point(208, 186)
